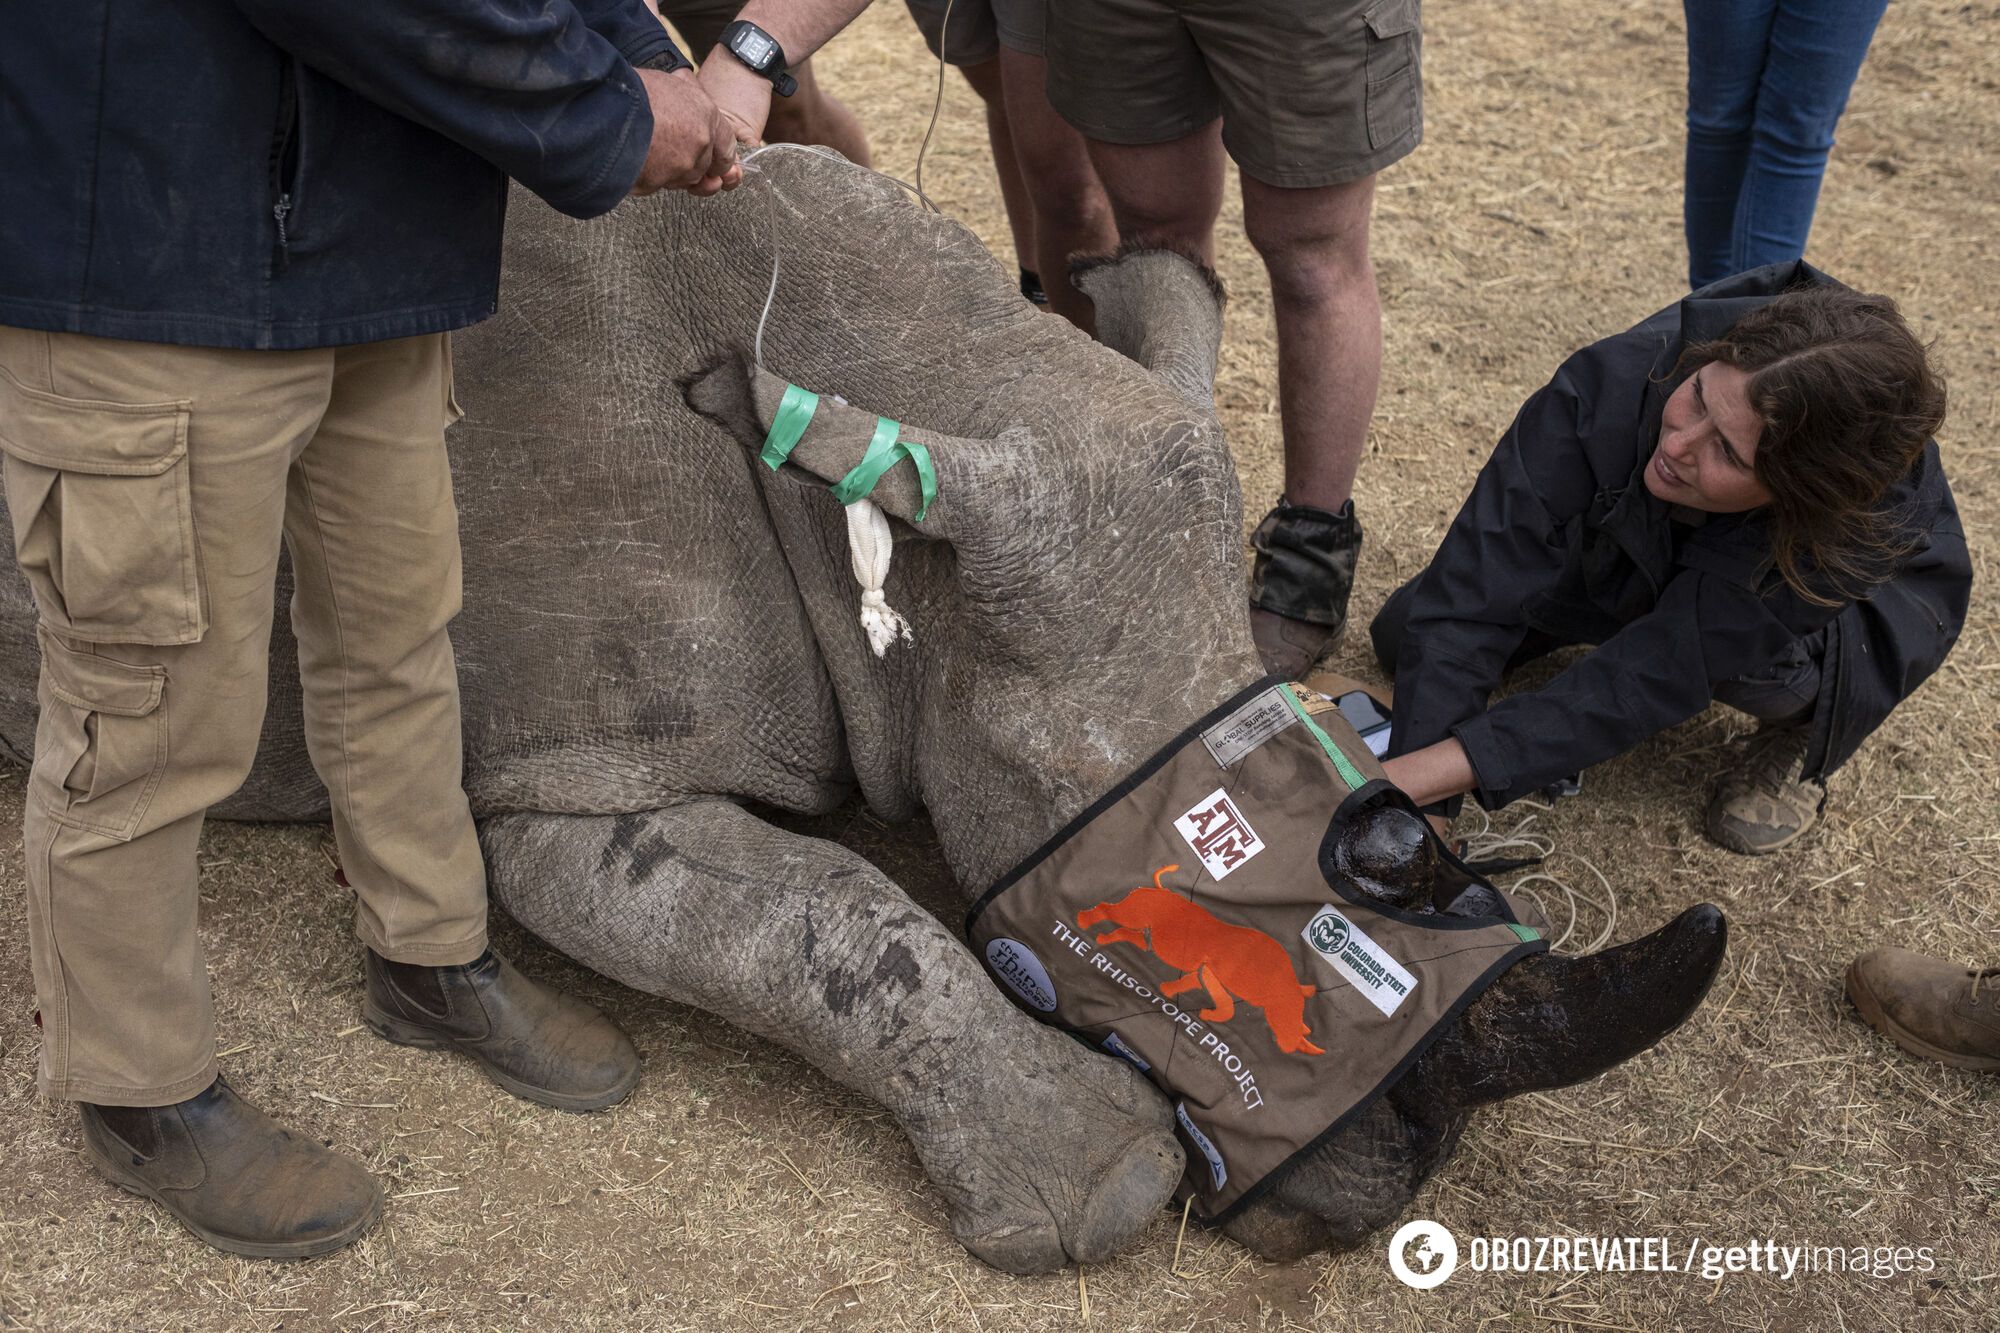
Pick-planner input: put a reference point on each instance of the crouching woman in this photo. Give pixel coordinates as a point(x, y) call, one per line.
point(1738, 499)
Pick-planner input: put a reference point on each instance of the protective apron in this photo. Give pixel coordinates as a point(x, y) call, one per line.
point(1232, 920)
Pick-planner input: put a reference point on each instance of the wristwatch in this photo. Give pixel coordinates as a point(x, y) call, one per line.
point(760, 51)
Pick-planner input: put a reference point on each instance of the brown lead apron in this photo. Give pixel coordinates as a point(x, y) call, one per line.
point(1197, 922)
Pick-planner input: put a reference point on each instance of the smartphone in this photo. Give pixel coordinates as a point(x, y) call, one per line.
point(1368, 718)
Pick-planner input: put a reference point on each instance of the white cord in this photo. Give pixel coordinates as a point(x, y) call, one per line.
point(870, 543)
point(1489, 843)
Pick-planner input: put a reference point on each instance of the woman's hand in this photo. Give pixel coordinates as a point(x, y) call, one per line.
point(1434, 773)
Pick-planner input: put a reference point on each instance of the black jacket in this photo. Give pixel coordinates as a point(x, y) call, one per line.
point(1561, 535)
point(299, 173)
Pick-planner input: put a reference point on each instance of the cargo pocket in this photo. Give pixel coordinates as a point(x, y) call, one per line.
point(103, 518)
point(101, 740)
point(1395, 89)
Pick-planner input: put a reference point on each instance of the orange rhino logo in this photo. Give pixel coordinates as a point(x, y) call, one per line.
point(1231, 962)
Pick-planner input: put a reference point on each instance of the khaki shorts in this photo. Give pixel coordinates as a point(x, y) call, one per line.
point(1310, 92)
point(700, 22)
point(979, 28)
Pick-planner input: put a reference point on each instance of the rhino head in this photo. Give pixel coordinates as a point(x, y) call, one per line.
point(1077, 594)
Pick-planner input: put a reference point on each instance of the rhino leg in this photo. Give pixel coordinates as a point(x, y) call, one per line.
point(1546, 1023)
point(1044, 1152)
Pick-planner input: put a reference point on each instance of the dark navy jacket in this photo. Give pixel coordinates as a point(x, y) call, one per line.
point(299, 173)
point(1560, 535)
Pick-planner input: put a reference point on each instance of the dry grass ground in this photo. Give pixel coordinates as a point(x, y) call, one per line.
point(738, 1190)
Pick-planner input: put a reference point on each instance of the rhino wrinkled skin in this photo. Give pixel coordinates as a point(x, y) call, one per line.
point(657, 631)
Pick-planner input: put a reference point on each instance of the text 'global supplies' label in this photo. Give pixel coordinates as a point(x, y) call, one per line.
point(1249, 727)
point(1386, 982)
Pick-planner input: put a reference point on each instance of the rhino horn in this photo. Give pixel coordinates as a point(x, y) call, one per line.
point(1162, 309)
point(1551, 1020)
point(744, 399)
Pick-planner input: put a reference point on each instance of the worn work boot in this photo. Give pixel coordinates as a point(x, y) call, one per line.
point(233, 1176)
point(1930, 1007)
point(1300, 579)
point(532, 1041)
point(1764, 803)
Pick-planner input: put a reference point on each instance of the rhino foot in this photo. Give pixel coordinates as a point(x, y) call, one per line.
point(1059, 1156)
point(1043, 1150)
point(1550, 1021)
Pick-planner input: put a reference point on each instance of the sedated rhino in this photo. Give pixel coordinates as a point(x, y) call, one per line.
point(659, 633)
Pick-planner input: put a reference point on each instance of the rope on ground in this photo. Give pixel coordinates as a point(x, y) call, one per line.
point(1489, 843)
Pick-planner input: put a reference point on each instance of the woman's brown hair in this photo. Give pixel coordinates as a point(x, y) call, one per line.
point(1847, 396)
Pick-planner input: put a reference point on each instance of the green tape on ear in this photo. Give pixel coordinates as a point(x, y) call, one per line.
point(920, 458)
point(879, 458)
point(795, 413)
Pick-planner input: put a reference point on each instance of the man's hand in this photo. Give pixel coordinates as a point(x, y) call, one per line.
point(694, 144)
point(743, 95)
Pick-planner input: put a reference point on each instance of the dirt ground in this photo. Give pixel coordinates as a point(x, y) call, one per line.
point(739, 1190)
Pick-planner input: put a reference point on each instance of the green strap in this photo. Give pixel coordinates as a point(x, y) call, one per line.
point(920, 458)
point(795, 413)
point(1525, 934)
point(1342, 764)
point(878, 458)
point(884, 452)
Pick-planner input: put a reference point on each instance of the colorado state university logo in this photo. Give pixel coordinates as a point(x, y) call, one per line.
point(1231, 962)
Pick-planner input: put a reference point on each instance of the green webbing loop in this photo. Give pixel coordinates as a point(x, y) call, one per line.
point(884, 452)
point(881, 452)
point(795, 413)
point(1341, 763)
point(920, 458)
point(1525, 934)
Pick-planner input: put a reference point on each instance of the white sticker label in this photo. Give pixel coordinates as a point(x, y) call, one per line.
point(1386, 982)
point(1219, 834)
point(1249, 727)
point(1021, 972)
point(1116, 1045)
point(1217, 1172)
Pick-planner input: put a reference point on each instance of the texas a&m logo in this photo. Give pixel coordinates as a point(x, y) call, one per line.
point(1219, 834)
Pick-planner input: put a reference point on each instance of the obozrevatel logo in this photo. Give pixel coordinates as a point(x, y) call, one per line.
point(1422, 1254)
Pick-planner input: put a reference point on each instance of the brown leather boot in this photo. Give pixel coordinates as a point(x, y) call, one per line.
point(1929, 1007)
point(233, 1176)
point(532, 1041)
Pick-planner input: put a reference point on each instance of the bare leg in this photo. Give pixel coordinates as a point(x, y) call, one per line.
point(1166, 194)
point(1315, 246)
point(1044, 1152)
point(1072, 215)
point(985, 80)
point(814, 115)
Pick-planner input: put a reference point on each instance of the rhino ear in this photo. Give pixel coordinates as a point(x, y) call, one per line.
point(744, 400)
point(1162, 309)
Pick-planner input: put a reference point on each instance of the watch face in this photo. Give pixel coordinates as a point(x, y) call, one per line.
point(755, 48)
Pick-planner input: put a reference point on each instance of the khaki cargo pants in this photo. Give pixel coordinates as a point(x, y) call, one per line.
point(150, 487)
